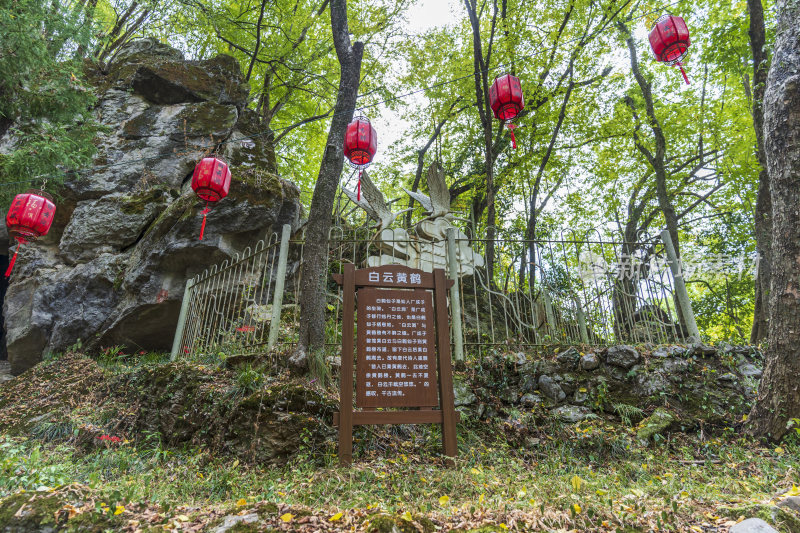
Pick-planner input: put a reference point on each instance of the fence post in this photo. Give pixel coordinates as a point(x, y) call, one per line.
point(176, 342)
point(277, 301)
point(582, 321)
point(548, 309)
point(680, 286)
point(455, 298)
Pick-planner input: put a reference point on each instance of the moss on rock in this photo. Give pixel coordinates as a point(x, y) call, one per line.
point(782, 519)
point(659, 421)
point(66, 509)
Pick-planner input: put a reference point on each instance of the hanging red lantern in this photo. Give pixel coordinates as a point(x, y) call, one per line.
point(360, 145)
point(29, 217)
point(505, 97)
point(670, 42)
point(211, 181)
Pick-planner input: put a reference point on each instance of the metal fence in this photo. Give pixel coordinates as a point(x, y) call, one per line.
point(577, 289)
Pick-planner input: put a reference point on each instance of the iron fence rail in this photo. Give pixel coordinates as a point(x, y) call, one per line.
point(577, 289)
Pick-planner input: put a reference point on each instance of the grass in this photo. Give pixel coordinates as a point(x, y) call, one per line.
point(576, 483)
point(517, 471)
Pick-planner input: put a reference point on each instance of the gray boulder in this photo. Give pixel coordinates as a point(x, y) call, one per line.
point(622, 356)
point(668, 351)
point(590, 361)
point(569, 358)
point(753, 525)
point(571, 413)
point(232, 521)
point(463, 394)
point(530, 400)
point(650, 383)
point(551, 389)
point(749, 370)
point(113, 268)
point(790, 502)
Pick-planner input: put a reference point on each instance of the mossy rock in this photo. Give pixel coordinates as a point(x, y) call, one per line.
point(45, 512)
point(205, 119)
point(243, 527)
point(136, 204)
point(266, 510)
point(388, 524)
point(783, 520)
point(489, 528)
point(659, 421)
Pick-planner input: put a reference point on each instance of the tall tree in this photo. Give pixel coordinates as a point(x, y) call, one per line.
point(655, 157)
point(312, 299)
point(763, 214)
point(779, 391)
point(481, 64)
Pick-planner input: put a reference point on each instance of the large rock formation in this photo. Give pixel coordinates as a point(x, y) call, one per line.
point(125, 240)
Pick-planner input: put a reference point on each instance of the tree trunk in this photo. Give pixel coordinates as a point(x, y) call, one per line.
point(315, 252)
point(485, 113)
point(778, 398)
point(655, 159)
point(763, 214)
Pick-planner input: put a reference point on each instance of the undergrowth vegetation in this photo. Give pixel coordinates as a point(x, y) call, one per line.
point(591, 476)
point(133, 436)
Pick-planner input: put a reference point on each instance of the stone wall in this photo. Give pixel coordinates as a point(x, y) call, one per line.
point(113, 268)
point(656, 388)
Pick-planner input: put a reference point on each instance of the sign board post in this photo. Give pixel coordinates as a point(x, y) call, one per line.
point(403, 352)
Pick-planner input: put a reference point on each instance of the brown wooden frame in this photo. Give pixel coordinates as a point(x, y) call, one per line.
point(351, 280)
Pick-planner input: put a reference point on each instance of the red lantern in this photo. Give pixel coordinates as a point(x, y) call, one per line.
point(211, 181)
point(505, 97)
point(670, 42)
point(29, 217)
point(360, 145)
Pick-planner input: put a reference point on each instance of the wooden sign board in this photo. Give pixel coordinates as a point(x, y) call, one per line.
point(403, 352)
point(396, 363)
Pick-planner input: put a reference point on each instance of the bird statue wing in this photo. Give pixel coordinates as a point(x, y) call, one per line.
point(440, 194)
point(423, 200)
point(375, 198)
point(363, 203)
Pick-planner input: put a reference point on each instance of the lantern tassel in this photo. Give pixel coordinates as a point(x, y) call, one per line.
point(13, 260)
point(358, 187)
point(513, 139)
point(686, 79)
point(206, 211)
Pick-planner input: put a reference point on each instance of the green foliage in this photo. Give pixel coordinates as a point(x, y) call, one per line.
point(43, 98)
point(628, 413)
point(249, 379)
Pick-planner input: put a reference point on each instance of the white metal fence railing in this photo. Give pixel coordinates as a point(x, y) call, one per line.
point(575, 289)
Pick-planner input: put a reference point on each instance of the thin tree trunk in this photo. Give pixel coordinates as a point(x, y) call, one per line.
point(258, 41)
point(314, 274)
point(655, 159)
point(778, 398)
point(763, 214)
point(484, 110)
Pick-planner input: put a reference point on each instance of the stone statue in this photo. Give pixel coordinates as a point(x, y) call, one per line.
point(426, 249)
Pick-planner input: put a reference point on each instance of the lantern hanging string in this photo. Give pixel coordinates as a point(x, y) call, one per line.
point(20, 241)
point(511, 127)
point(328, 115)
point(685, 77)
point(206, 211)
